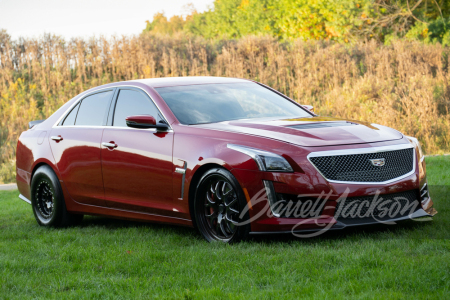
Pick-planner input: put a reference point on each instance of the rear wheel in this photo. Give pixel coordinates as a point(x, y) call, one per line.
point(47, 200)
point(219, 202)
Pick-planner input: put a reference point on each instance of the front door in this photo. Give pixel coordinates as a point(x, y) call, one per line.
point(75, 144)
point(137, 163)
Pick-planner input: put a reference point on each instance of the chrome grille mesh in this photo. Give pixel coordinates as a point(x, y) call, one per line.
point(358, 168)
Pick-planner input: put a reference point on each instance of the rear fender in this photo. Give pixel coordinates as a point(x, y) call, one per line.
point(33, 150)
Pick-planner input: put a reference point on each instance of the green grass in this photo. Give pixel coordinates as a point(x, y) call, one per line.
point(107, 258)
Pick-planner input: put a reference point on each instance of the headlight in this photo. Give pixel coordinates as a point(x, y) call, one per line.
point(415, 142)
point(266, 161)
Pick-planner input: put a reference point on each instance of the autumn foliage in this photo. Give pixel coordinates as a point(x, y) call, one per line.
point(339, 20)
point(404, 85)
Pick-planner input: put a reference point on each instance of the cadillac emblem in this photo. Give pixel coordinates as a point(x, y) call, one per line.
point(378, 162)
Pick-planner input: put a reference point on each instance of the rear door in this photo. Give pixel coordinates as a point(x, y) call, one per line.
point(75, 143)
point(137, 170)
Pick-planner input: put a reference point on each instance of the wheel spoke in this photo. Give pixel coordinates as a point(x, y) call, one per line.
point(232, 210)
point(232, 202)
point(217, 226)
point(211, 216)
point(208, 198)
point(225, 185)
point(229, 226)
point(216, 191)
point(230, 220)
point(222, 228)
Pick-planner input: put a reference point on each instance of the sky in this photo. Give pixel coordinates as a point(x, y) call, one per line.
point(86, 18)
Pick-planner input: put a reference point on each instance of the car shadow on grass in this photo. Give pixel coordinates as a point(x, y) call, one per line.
point(116, 224)
point(405, 229)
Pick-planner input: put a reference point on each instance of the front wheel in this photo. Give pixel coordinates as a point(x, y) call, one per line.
point(47, 200)
point(219, 203)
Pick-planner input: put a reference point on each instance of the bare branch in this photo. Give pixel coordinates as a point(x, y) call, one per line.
point(415, 6)
point(440, 11)
point(412, 15)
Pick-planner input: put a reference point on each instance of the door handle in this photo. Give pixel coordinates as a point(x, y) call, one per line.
point(109, 145)
point(57, 138)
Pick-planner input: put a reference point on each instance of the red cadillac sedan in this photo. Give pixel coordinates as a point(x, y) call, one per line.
point(230, 157)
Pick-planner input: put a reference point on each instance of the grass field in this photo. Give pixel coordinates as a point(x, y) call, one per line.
point(106, 258)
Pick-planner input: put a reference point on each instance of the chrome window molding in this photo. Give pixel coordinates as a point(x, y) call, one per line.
point(365, 151)
point(117, 128)
point(108, 88)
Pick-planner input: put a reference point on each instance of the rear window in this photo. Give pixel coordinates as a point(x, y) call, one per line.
point(93, 109)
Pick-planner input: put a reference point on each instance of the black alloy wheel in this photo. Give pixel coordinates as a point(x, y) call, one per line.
point(219, 202)
point(44, 199)
point(47, 200)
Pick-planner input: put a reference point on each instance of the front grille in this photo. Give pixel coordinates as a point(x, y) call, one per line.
point(387, 206)
point(358, 167)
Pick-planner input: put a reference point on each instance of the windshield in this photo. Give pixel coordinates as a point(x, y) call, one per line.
point(211, 103)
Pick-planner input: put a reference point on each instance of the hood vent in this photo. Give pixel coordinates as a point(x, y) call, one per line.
point(322, 125)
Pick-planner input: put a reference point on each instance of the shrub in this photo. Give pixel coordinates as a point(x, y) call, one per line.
point(404, 85)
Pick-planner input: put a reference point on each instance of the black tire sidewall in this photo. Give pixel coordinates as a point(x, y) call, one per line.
point(45, 173)
point(242, 231)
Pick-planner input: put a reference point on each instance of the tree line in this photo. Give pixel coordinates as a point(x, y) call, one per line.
point(340, 20)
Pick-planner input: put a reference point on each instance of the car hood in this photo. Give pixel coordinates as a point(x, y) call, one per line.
point(310, 132)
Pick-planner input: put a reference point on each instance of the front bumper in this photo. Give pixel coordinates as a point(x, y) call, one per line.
point(310, 182)
point(420, 214)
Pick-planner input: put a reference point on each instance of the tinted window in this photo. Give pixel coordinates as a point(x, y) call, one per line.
point(70, 119)
point(93, 109)
point(209, 103)
point(132, 103)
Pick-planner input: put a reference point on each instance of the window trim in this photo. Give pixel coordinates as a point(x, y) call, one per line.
point(67, 115)
point(113, 100)
point(114, 105)
point(285, 97)
point(61, 121)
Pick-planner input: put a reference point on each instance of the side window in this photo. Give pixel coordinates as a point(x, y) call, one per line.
point(70, 118)
point(93, 108)
point(131, 103)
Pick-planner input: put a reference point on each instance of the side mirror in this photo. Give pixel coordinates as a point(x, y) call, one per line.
point(308, 107)
point(145, 121)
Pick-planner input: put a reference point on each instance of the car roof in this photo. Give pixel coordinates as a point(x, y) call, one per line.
point(177, 81)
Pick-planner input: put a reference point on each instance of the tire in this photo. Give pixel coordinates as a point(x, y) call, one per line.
point(47, 200)
point(218, 204)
